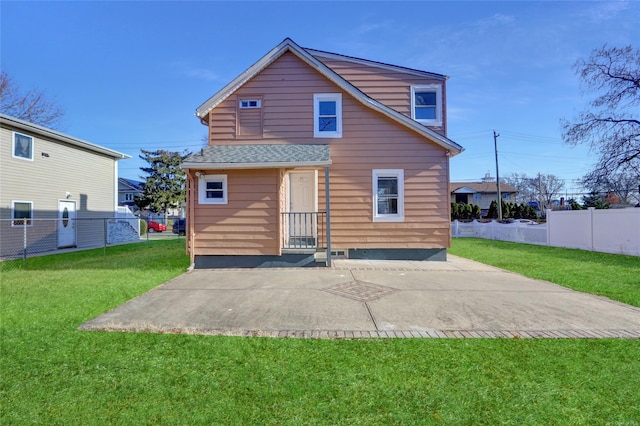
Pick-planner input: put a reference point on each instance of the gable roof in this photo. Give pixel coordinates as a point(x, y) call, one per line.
point(288, 45)
point(132, 184)
point(419, 73)
point(483, 187)
point(35, 129)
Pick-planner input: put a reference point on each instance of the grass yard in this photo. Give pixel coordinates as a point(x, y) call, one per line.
point(611, 275)
point(53, 374)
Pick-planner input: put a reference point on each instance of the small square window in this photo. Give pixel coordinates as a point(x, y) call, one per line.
point(212, 189)
point(21, 213)
point(426, 104)
point(250, 103)
point(327, 113)
point(22, 146)
point(388, 195)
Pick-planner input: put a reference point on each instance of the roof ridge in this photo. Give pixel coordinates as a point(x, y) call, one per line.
point(288, 45)
point(324, 53)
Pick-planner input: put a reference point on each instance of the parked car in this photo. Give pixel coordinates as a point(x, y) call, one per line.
point(180, 226)
point(153, 226)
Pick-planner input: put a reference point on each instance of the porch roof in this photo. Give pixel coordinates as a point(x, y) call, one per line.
point(260, 156)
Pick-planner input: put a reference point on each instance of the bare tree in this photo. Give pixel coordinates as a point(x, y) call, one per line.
point(523, 185)
point(33, 105)
point(611, 123)
point(624, 185)
point(546, 188)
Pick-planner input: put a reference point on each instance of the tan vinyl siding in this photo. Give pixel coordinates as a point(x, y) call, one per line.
point(392, 88)
point(89, 177)
point(249, 223)
point(249, 119)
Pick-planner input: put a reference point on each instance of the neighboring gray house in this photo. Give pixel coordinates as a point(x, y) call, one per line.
point(45, 174)
point(481, 193)
point(127, 191)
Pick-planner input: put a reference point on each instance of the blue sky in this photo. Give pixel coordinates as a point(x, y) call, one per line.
point(130, 74)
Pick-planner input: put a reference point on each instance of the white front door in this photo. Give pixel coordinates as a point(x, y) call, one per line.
point(303, 206)
point(66, 223)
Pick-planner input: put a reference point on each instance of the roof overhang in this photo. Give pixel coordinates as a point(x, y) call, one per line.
point(52, 134)
point(265, 156)
point(288, 45)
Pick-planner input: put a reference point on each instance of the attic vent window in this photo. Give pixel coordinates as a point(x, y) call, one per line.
point(250, 103)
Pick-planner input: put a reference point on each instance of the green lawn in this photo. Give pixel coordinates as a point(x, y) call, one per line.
point(611, 275)
point(51, 373)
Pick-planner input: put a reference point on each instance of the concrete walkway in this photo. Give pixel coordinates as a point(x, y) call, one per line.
point(458, 298)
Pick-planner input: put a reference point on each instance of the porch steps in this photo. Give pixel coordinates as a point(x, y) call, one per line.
point(320, 256)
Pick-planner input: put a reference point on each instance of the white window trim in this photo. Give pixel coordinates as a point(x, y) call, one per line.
point(202, 189)
point(257, 101)
point(13, 146)
point(437, 89)
point(317, 98)
point(397, 173)
point(13, 203)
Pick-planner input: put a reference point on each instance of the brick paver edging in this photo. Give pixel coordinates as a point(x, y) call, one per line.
point(393, 334)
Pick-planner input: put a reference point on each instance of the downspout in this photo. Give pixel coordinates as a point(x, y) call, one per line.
point(115, 185)
point(189, 219)
point(448, 161)
point(327, 202)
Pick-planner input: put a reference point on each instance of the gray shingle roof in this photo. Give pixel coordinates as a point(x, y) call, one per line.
point(263, 155)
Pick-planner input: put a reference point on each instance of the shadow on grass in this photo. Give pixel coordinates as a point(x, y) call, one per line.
point(149, 255)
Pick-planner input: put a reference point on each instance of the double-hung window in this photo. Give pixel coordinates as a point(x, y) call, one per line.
point(212, 189)
point(22, 146)
point(21, 213)
point(388, 195)
point(426, 104)
point(327, 115)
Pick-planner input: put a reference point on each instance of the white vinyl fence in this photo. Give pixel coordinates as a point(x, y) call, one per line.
point(610, 231)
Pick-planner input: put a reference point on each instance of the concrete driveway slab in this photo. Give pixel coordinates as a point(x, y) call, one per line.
point(456, 298)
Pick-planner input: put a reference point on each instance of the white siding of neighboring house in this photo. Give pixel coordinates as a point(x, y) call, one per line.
point(88, 176)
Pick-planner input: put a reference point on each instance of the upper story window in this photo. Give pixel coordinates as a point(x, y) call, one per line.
point(426, 104)
point(388, 195)
point(212, 189)
point(21, 213)
point(250, 103)
point(22, 146)
point(327, 115)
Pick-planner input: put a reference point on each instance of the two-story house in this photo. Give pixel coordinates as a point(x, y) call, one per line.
point(313, 150)
point(55, 189)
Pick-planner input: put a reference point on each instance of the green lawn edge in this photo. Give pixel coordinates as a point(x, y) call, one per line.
point(614, 276)
point(52, 373)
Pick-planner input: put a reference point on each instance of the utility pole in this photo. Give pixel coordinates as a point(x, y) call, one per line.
point(495, 144)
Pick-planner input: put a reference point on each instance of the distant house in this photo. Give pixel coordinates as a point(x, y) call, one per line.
point(481, 193)
point(308, 148)
point(53, 186)
point(127, 191)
